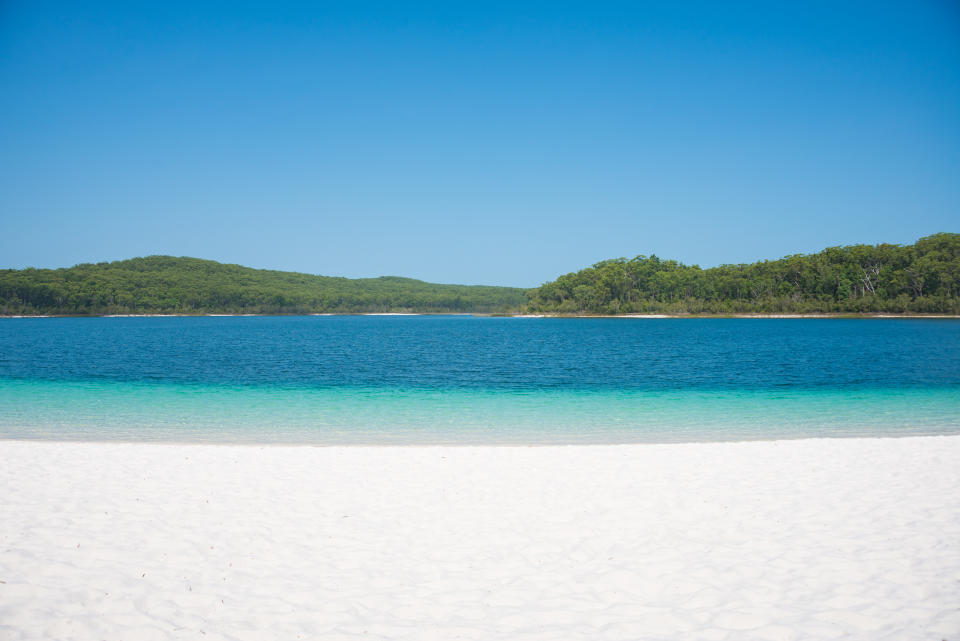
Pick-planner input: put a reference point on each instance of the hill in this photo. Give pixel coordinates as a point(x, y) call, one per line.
point(165, 284)
point(919, 278)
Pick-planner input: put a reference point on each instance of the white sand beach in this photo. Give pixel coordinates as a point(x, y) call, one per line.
point(809, 539)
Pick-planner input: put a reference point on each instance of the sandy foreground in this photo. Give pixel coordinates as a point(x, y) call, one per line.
point(810, 539)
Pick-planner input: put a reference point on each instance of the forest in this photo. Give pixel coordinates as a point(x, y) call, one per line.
point(922, 278)
point(168, 285)
point(919, 278)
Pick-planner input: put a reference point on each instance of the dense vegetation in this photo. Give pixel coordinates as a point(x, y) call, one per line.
point(919, 278)
point(163, 284)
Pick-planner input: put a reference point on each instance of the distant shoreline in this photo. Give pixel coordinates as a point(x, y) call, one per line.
point(618, 316)
point(659, 316)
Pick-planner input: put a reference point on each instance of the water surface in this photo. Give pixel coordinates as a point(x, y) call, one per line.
point(461, 379)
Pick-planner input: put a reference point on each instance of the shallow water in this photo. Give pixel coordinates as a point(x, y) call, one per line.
point(459, 379)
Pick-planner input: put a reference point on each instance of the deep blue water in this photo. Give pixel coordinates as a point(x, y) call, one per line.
point(369, 379)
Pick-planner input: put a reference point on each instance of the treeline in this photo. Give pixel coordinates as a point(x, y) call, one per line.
point(165, 285)
point(919, 278)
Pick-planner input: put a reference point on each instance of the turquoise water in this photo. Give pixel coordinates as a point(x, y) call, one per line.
point(371, 380)
point(132, 411)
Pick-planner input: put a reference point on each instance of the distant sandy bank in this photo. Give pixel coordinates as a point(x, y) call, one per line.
point(643, 316)
point(639, 316)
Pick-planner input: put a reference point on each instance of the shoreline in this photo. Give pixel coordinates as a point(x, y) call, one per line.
point(837, 315)
point(400, 445)
point(812, 539)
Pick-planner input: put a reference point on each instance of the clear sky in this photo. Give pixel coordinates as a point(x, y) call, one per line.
point(485, 142)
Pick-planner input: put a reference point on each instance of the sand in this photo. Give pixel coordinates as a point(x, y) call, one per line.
point(809, 539)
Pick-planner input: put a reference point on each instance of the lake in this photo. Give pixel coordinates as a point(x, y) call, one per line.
point(464, 379)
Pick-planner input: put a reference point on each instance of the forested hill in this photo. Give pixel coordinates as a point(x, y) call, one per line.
point(164, 284)
point(921, 278)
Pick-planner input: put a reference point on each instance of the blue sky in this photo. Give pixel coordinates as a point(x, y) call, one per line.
point(495, 143)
